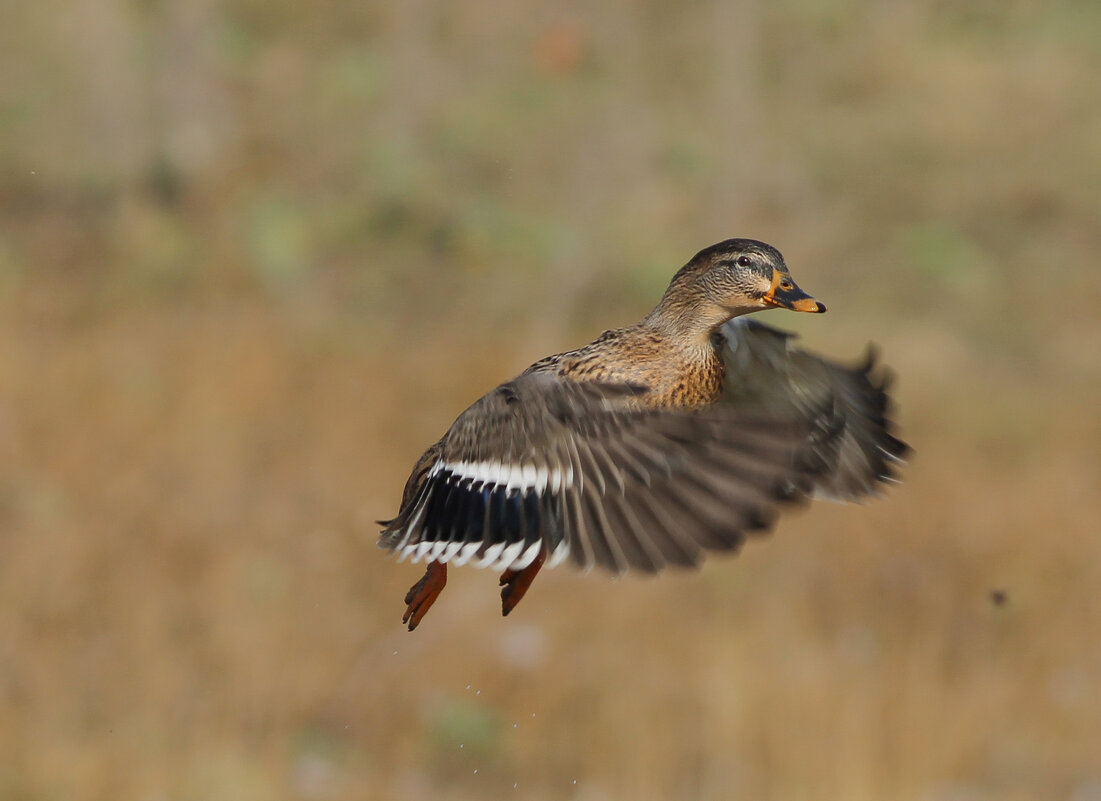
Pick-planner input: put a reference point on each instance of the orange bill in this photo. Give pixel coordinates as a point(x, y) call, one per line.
point(785, 294)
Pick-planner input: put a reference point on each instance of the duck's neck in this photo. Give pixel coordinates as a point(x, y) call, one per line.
point(688, 317)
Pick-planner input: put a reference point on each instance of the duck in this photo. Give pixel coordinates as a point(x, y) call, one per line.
point(654, 445)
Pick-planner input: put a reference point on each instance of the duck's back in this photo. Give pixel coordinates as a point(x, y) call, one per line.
point(676, 376)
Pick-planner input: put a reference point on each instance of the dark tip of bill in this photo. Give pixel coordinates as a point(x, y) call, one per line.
point(819, 307)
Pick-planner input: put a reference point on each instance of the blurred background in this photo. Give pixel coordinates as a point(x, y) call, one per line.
point(254, 257)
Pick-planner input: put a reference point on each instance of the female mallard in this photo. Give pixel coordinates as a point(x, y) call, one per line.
point(651, 445)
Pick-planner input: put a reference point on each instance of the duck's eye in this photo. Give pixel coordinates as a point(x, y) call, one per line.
point(744, 261)
point(786, 285)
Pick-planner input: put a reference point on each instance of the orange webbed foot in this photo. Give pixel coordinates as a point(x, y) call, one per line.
point(424, 593)
point(515, 583)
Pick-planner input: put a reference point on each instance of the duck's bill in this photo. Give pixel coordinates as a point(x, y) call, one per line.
point(794, 299)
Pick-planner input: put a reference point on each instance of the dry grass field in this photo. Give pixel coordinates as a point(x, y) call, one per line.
point(253, 258)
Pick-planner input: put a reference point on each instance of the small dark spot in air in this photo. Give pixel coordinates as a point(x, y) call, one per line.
point(999, 597)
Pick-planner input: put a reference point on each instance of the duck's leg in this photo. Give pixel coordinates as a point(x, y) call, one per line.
point(514, 583)
point(423, 594)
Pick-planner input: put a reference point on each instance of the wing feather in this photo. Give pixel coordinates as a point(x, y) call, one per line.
point(586, 468)
point(766, 371)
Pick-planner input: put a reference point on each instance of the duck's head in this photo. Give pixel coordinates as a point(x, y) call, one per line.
point(744, 275)
point(734, 277)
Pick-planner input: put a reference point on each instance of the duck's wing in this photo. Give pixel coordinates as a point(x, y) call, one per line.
point(581, 469)
point(765, 370)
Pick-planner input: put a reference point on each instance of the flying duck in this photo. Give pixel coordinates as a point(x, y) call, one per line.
point(652, 445)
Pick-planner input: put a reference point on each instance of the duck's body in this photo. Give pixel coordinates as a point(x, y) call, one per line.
point(649, 446)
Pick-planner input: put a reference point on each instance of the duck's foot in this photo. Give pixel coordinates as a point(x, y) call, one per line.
point(514, 583)
point(424, 593)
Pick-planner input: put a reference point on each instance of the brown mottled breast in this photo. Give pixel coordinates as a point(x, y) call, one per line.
point(678, 376)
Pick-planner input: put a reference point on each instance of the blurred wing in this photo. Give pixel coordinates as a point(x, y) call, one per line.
point(581, 469)
point(766, 371)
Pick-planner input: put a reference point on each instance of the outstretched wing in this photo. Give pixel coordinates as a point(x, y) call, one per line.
point(764, 370)
point(582, 469)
